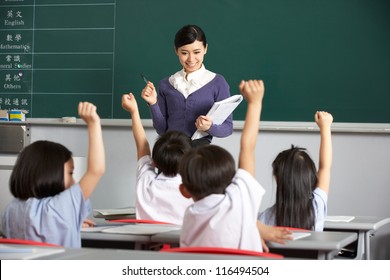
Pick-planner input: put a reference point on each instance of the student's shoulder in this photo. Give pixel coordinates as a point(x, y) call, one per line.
point(242, 173)
point(243, 178)
point(145, 167)
point(319, 193)
point(72, 193)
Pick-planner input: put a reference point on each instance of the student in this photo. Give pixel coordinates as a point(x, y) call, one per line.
point(49, 206)
point(185, 98)
point(158, 195)
point(226, 201)
point(302, 193)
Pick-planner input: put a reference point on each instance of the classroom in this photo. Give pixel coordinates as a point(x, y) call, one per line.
point(312, 55)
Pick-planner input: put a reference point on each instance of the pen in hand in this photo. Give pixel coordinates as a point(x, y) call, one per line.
point(144, 78)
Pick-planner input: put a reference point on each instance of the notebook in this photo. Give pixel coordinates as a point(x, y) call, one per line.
point(114, 213)
point(219, 112)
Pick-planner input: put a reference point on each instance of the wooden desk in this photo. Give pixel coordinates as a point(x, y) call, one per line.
point(365, 226)
point(319, 245)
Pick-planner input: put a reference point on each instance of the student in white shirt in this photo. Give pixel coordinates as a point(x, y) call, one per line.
point(158, 196)
point(226, 201)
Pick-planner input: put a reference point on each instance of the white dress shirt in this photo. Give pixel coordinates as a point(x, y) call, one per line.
point(193, 82)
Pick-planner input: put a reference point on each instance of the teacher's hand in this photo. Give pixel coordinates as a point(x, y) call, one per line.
point(149, 94)
point(203, 123)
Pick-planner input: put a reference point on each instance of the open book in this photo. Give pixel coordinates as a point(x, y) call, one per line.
point(219, 112)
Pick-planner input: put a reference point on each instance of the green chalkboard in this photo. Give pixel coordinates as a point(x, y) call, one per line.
point(313, 55)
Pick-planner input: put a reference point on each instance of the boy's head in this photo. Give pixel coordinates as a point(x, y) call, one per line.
point(168, 150)
point(206, 170)
point(39, 170)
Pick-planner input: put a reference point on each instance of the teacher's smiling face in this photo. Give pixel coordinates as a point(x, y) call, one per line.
point(191, 56)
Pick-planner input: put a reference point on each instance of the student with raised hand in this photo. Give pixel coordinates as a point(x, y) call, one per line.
point(184, 99)
point(226, 200)
point(158, 196)
point(49, 206)
point(302, 192)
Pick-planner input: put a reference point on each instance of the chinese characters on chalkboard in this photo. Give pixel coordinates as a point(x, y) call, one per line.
point(15, 58)
point(53, 55)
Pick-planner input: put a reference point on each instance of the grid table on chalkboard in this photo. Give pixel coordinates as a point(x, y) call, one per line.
point(55, 54)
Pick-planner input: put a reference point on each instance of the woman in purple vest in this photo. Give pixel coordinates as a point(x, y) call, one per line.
point(185, 97)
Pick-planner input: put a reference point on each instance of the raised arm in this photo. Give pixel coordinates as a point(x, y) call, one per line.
point(324, 121)
point(253, 92)
point(129, 103)
point(96, 156)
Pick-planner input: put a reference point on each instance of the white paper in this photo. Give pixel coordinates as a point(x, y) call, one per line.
point(219, 112)
point(298, 235)
point(339, 218)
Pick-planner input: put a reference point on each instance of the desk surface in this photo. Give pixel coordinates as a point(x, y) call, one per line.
point(115, 254)
point(324, 241)
point(114, 237)
point(98, 239)
point(365, 223)
point(322, 244)
point(365, 226)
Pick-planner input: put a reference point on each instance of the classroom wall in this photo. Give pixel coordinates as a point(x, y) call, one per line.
point(360, 183)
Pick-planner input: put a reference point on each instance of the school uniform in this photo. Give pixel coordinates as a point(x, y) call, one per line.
point(226, 220)
point(182, 100)
point(320, 205)
point(158, 196)
point(55, 219)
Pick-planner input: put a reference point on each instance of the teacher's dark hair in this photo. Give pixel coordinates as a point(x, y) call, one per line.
point(39, 170)
point(189, 34)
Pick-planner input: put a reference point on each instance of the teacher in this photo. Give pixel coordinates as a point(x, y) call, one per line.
point(184, 98)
